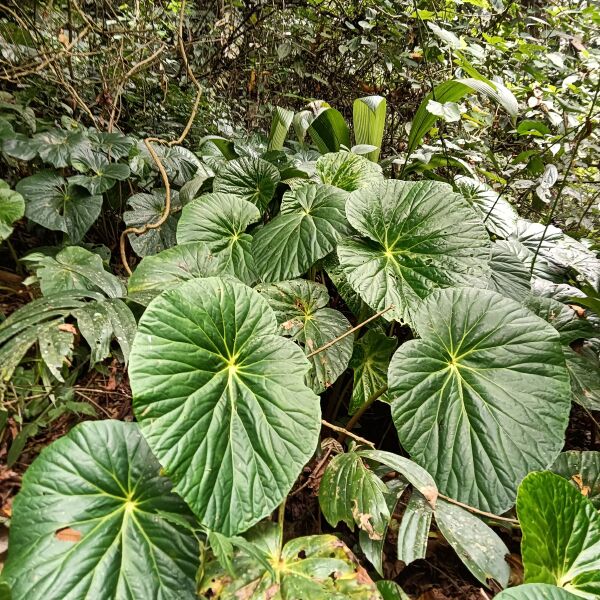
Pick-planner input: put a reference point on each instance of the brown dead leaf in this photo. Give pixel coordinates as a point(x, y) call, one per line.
point(363, 520)
point(516, 569)
point(430, 494)
point(67, 534)
point(584, 489)
point(272, 591)
point(68, 327)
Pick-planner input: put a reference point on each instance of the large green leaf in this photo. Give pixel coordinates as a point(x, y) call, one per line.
point(104, 173)
point(536, 591)
point(370, 362)
point(582, 469)
point(12, 208)
point(311, 222)
point(483, 397)
point(509, 276)
point(351, 493)
point(252, 179)
point(318, 567)
point(221, 399)
point(280, 124)
point(148, 208)
point(181, 164)
point(329, 131)
point(169, 268)
point(115, 144)
point(347, 171)
point(421, 236)
point(56, 145)
point(368, 115)
point(561, 535)
point(52, 202)
point(74, 268)
point(220, 220)
point(300, 308)
point(96, 520)
point(477, 545)
point(496, 212)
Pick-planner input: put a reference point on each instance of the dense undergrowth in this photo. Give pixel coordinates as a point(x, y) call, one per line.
point(356, 341)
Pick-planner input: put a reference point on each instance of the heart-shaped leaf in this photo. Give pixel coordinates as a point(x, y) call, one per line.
point(421, 236)
point(311, 222)
point(300, 308)
point(252, 179)
point(582, 469)
point(561, 535)
point(55, 146)
point(148, 208)
point(95, 519)
point(74, 268)
point(12, 208)
point(115, 144)
point(221, 399)
point(347, 171)
point(55, 204)
point(169, 268)
point(220, 220)
point(482, 398)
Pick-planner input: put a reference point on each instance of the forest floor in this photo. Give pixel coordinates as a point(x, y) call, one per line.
point(442, 576)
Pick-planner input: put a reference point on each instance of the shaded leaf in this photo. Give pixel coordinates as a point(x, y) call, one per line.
point(582, 469)
point(347, 171)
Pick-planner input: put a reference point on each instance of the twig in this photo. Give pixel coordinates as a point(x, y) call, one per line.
point(161, 168)
point(124, 80)
point(347, 433)
point(347, 333)
point(483, 513)
point(315, 471)
point(165, 215)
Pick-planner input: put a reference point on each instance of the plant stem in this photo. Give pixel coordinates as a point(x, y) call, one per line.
point(361, 411)
point(347, 333)
point(347, 433)
point(483, 513)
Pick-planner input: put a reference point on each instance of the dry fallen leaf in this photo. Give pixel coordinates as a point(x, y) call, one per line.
point(68, 535)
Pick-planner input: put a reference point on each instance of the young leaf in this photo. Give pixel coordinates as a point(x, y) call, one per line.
point(300, 308)
point(421, 236)
point(582, 470)
point(478, 546)
point(221, 399)
point(311, 222)
point(55, 204)
point(368, 115)
point(351, 493)
point(370, 362)
point(317, 567)
point(74, 268)
point(280, 124)
point(485, 386)
point(561, 535)
point(347, 171)
point(414, 529)
point(252, 179)
point(95, 503)
point(453, 91)
point(329, 131)
point(148, 208)
point(220, 220)
point(12, 208)
point(169, 268)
